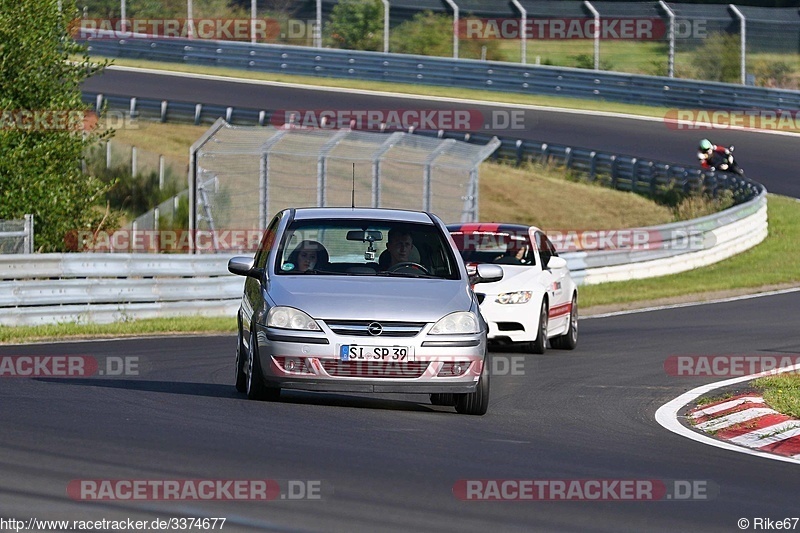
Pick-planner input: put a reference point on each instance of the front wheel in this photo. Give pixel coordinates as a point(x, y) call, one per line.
point(476, 403)
point(539, 346)
point(569, 340)
point(241, 376)
point(256, 389)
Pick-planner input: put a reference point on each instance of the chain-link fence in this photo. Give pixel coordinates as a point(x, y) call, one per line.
point(243, 175)
point(16, 236)
point(695, 41)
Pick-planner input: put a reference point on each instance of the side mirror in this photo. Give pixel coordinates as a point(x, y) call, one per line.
point(556, 262)
point(243, 266)
point(487, 273)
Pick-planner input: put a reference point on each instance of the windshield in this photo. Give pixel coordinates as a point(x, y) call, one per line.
point(365, 248)
point(498, 247)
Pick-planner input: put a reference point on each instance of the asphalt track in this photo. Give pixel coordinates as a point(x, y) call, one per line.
point(390, 462)
point(767, 158)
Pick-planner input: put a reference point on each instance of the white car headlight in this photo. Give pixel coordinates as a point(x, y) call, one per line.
point(519, 297)
point(456, 323)
point(290, 318)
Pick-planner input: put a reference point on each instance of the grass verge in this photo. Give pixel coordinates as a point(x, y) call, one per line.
point(782, 393)
point(183, 325)
point(774, 262)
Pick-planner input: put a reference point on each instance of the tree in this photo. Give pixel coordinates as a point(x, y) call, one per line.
point(356, 25)
point(41, 70)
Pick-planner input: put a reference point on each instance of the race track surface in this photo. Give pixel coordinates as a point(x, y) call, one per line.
point(390, 462)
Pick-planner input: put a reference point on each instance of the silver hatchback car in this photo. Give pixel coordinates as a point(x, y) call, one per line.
point(362, 300)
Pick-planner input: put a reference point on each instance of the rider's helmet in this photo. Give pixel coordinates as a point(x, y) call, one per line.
point(706, 146)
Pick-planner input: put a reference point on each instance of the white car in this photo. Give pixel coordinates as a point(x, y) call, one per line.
point(536, 300)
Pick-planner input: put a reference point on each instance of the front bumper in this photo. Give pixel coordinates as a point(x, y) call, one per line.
point(512, 322)
point(441, 364)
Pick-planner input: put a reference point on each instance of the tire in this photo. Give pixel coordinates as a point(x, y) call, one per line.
point(539, 346)
point(443, 398)
point(256, 389)
point(569, 340)
point(241, 376)
point(476, 403)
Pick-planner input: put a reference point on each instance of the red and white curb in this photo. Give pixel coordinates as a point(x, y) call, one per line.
point(748, 421)
point(743, 424)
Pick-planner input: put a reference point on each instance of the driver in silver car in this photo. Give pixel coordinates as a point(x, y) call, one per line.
point(399, 245)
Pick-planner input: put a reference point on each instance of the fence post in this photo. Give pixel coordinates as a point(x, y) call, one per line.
point(28, 240)
point(743, 39)
point(134, 162)
point(108, 155)
point(671, 58)
point(160, 172)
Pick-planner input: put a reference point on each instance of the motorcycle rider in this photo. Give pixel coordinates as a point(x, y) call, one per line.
point(713, 157)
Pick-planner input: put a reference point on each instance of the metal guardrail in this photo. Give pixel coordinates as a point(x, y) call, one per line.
point(624, 172)
point(91, 287)
point(102, 288)
point(462, 73)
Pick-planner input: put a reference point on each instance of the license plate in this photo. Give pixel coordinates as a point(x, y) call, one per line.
point(354, 352)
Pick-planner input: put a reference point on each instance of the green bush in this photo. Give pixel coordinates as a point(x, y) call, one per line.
point(356, 25)
point(431, 34)
point(587, 61)
point(718, 59)
point(773, 73)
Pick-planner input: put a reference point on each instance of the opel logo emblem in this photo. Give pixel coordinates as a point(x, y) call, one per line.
point(375, 329)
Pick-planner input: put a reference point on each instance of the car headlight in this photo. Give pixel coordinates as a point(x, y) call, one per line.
point(290, 318)
point(456, 323)
point(519, 297)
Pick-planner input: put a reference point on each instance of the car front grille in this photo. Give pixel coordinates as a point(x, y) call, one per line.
point(374, 369)
point(360, 328)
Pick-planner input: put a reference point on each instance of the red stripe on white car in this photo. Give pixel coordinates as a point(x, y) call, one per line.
point(560, 310)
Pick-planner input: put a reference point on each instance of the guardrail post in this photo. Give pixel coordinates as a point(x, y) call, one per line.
point(568, 157)
point(228, 114)
point(634, 174)
point(163, 110)
point(98, 106)
point(262, 115)
point(592, 165)
point(519, 152)
point(614, 171)
point(544, 153)
point(133, 111)
point(197, 110)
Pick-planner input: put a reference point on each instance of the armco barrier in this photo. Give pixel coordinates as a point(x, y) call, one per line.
point(111, 287)
point(462, 73)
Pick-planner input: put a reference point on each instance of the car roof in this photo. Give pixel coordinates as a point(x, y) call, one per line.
point(389, 215)
point(490, 227)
